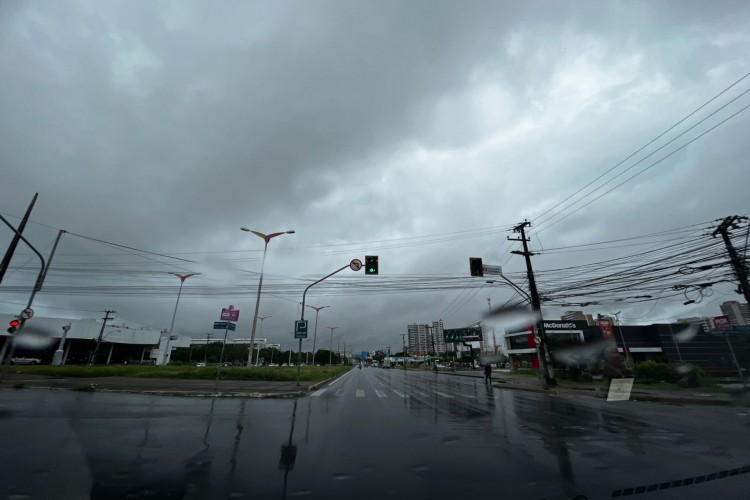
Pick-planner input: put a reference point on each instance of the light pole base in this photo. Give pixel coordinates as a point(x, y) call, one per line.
point(57, 358)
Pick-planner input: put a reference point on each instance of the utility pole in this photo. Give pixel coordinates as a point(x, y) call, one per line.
point(16, 238)
point(494, 339)
point(545, 360)
point(403, 353)
point(330, 351)
point(101, 332)
point(729, 223)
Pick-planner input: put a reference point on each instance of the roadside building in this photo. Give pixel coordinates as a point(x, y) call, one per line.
point(120, 342)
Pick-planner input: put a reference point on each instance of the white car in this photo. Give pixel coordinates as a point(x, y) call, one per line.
point(25, 361)
point(200, 365)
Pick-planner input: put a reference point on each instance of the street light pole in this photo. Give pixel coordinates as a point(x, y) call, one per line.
point(266, 239)
point(622, 337)
point(330, 352)
point(182, 277)
point(315, 335)
point(261, 318)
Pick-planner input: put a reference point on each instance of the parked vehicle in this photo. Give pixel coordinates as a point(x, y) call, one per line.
point(25, 361)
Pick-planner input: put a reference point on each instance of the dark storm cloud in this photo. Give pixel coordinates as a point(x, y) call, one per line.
point(166, 126)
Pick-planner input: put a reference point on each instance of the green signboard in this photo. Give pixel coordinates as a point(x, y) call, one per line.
point(458, 334)
point(300, 329)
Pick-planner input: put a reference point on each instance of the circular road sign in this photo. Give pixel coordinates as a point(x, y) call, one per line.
point(537, 339)
point(355, 265)
point(27, 313)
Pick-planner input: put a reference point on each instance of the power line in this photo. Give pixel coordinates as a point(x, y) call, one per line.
point(648, 144)
point(644, 170)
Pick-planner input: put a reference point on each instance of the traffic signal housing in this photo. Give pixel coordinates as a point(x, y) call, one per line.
point(371, 264)
point(14, 324)
point(475, 266)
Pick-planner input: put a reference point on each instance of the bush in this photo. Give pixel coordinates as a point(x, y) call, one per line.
point(685, 375)
point(585, 377)
point(690, 376)
point(650, 372)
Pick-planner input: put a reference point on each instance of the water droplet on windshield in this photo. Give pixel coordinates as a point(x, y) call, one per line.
point(511, 318)
point(687, 334)
point(34, 340)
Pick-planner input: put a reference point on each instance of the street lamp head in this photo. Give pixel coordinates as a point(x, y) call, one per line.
point(245, 229)
point(290, 231)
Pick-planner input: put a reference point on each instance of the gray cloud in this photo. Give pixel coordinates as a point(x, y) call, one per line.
point(168, 126)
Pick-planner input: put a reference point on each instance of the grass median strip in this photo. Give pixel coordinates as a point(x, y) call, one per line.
point(263, 373)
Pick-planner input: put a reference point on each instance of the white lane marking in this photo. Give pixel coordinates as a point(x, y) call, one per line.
point(342, 376)
point(443, 394)
point(318, 392)
point(340, 392)
point(399, 393)
point(380, 393)
point(360, 393)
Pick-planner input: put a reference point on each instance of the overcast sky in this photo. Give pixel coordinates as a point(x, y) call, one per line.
point(364, 126)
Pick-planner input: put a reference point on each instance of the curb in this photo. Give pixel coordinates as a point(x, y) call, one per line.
point(593, 393)
point(189, 394)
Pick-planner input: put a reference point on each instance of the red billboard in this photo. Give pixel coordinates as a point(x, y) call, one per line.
point(722, 323)
point(607, 328)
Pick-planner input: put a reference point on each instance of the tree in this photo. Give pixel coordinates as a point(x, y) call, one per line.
point(322, 356)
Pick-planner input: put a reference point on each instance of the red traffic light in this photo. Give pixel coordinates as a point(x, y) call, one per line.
point(14, 323)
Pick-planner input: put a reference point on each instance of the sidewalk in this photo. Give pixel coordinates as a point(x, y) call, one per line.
point(165, 387)
point(506, 380)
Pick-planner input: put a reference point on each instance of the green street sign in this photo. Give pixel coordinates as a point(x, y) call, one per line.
point(300, 329)
point(458, 334)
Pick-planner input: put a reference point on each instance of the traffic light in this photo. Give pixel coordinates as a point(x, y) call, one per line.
point(371, 264)
point(475, 266)
point(14, 323)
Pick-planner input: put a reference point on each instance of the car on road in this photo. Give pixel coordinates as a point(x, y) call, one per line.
point(25, 361)
point(200, 365)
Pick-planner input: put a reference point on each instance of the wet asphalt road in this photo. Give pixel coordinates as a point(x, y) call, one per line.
point(372, 434)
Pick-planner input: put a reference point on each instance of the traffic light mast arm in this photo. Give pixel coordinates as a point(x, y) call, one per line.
point(302, 317)
point(40, 278)
point(37, 287)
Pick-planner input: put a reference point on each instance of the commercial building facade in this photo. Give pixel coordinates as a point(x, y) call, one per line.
point(120, 343)
point(738, 312)
point(671, 343)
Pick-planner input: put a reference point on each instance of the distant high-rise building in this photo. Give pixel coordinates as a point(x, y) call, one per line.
point(418, 340)
point(578, 316)
point(437, 331)
point(573, 316)
point(738, 312)
point(704, 321)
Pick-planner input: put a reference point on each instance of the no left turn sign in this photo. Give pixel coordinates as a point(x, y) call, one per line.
point(27, 313)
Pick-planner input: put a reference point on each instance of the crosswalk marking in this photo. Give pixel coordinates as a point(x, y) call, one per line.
point(443, 394)
point(360, 393)
point(319, 392)
point(380, 393)
point(399, 393)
